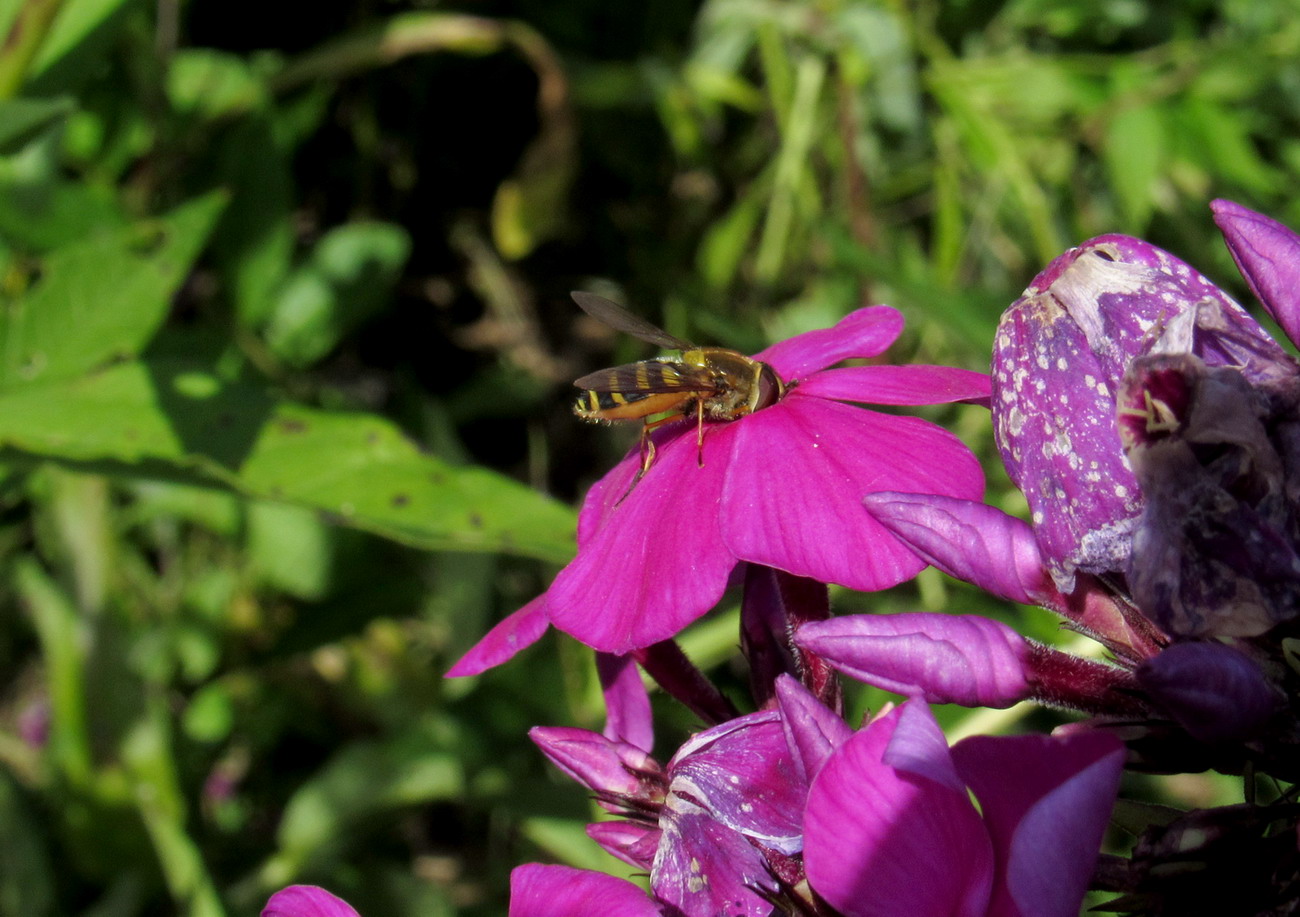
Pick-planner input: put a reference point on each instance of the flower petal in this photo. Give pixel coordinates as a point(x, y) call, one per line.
point(627, 702)
point(879, 843)
point(912, 384)
point(867, 332)
point(610, 769)
point(1054, 407)
point(306, 901)
point(948, 659)
point(1217, 693)
point(630, 842)
point(1268, 256)
point(705, 869)
point(970, 541)
point(798, 474)
point(1046, 802)
point(510, 636)
point(812, 729)
point(561, 891)
point(743, 774)
point(656, 562)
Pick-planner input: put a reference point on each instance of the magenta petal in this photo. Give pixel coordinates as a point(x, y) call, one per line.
point(970, 541)
point(607, 767)
point(919, 747)
point(1268, 255)
point(627, 702)
point(561, 891)
point(743, 774)
point(812, 729)
point(634, 844)
point(879, 843)
point(511, 635)
point(950, 659)
point(899, 385)
point(603, 496)
point(1046, 803)
point(306, 901)
point(799, 472)
point(1056, 363)
point(656, 562)
point(867, 332)
point(705, 869)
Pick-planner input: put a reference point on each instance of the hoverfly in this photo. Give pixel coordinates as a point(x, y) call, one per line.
point(712, 382)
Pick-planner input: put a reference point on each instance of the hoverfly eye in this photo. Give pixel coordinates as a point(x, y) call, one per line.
point(770, 388)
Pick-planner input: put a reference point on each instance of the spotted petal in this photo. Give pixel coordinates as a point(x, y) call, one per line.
point(705, 869)
point(744, 775)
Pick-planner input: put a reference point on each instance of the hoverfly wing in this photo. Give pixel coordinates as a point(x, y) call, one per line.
point(650, 377)
point(611, 313)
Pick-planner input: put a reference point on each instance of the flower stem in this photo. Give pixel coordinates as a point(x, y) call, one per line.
point(774, 605)
point(667, 664)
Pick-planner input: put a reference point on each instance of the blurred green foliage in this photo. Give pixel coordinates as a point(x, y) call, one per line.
point(285, 348)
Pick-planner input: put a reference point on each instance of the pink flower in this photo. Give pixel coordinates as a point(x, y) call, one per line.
point(781, 487)
point(889, 827)
point(710, 824)
point(562, 891)
point(306, 901)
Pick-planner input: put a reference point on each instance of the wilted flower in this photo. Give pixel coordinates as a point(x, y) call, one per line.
point(1215, 549)
point(889, 828)
point(1059, 357)
point(1216, 693)
point(780, 487)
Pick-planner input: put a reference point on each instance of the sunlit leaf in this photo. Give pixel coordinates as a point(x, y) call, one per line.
point(103, 297)
point(140, 420)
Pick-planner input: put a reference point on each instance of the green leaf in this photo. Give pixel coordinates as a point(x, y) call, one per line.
point(42, 215)
point(21, 118)
point(254, 242)
point(727, 240)
point(82, 32)
point(290, 549)
point(103, 297)
point(349, 277)
point(158, 420)
point(26, 873)
point(1135, 155)
point(211, 84)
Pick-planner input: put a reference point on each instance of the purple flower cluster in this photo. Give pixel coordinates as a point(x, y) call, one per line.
point(1154, 429)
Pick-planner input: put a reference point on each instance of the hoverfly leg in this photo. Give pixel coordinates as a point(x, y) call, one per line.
point(699, 435)
point(647, 457)
point(647, 452)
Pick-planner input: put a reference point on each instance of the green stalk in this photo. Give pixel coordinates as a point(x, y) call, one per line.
point(26, 35)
